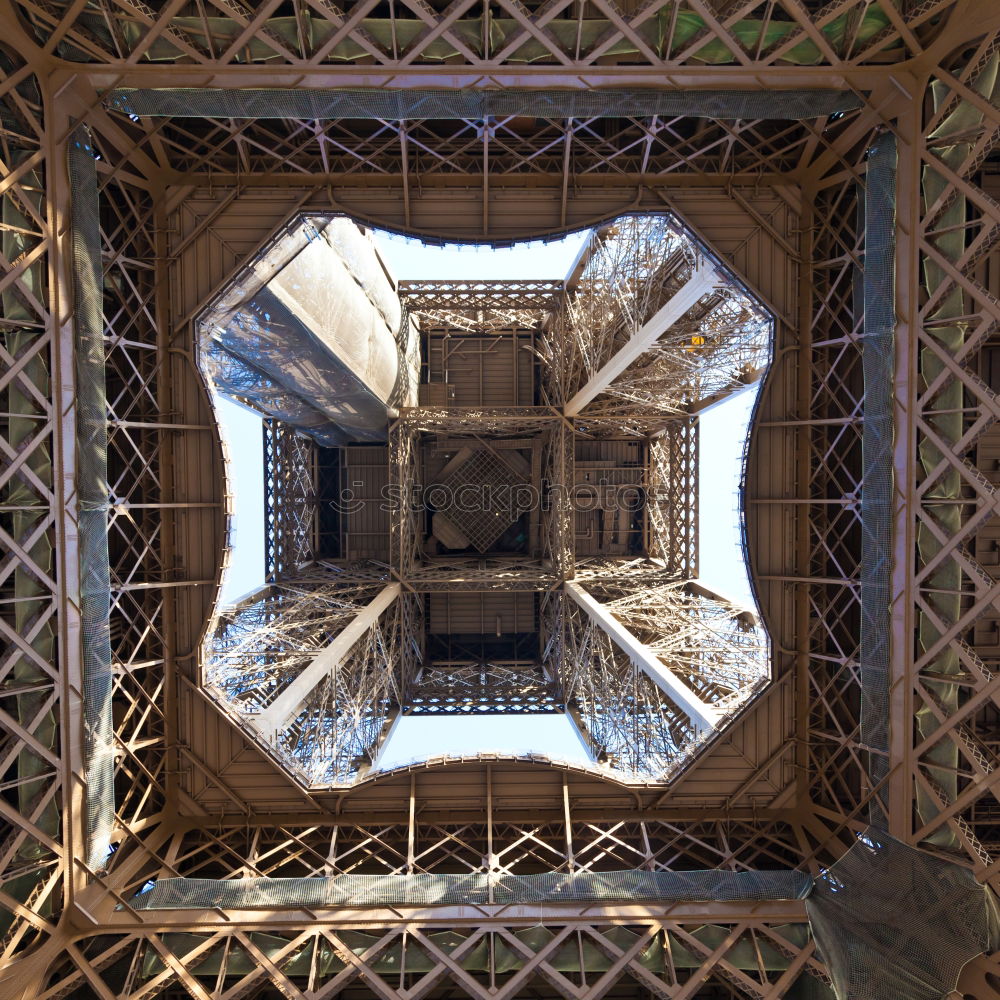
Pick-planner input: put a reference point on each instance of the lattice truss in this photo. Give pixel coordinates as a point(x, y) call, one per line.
point(951, 777)
point(434, 841)
point(314, 35)
point(715, 649)
point(632, 268)
point(942, 777)
point(164, 957)
point(259, 647)
point(481, 306)
point(638, 958)
point(485, 688)
point(31, 862)
point(289, 497)
point(672, 497)
point(623, 715)
point(426, 148)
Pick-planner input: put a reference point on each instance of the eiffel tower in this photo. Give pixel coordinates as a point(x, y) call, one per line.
point(482, 499)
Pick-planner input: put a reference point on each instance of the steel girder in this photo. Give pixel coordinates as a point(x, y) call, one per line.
point(943, 717)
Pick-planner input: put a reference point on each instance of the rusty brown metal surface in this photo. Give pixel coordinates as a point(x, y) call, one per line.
point(188, 202)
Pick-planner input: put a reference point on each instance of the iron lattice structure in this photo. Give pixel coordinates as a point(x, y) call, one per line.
point(779, 199)
point(620, 710)
point(290, 495)
point(626, 273)
point(554, 436)
point(672, 497)
point(481, 305)
point(703, 637)
point(717, 649)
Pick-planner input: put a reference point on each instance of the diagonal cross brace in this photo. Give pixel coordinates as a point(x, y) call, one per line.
point(703, 280)
point(703, 716)
point(283, 709)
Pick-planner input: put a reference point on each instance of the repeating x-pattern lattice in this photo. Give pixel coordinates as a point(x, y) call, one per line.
point(952, 704)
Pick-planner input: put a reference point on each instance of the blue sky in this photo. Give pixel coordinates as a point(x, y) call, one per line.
point(723, 432)
point(411, 260)
point(243, 433)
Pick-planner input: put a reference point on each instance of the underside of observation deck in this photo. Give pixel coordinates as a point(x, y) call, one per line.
point(489, 123)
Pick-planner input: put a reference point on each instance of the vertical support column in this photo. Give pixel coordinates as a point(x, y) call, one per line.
point(799, 345)
point(877, 468)
point(567, 818)
point(647, 863)
point(902, 584)
point(411, 834)
point(490, 857)
point(63, 386)
point(166, 332)
point(331, 856)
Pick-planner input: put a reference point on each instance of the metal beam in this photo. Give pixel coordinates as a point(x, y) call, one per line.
point(110, 75)
point(740, 609)
point(702, 281)
point(759, 912)
point(701, 714)
point(747, 380)
point(281, 711)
